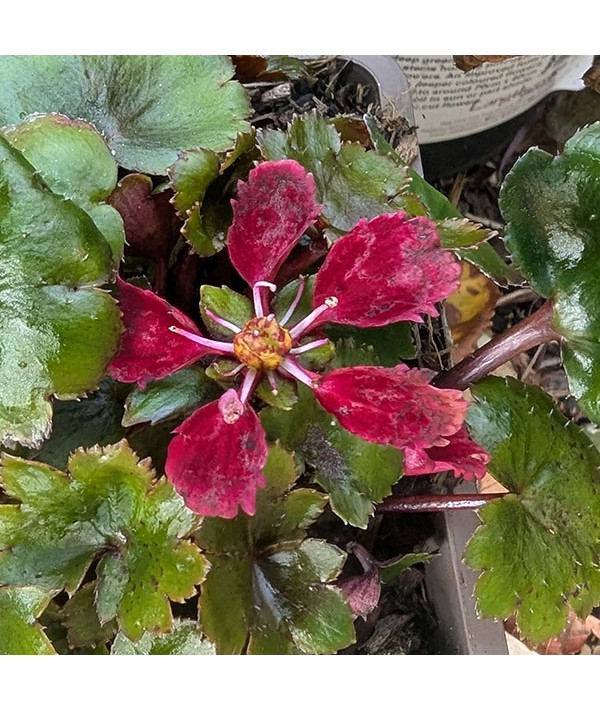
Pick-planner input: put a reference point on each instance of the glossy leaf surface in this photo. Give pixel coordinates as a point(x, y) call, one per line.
point(62, 150)
point(553, 233)
point(268, 586)
point(59, 330)
point(19, 632)
point(147, 107)
point(539, 545)
point(173, 396)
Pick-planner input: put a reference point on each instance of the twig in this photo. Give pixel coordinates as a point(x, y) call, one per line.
point(529, 333)
point(428, 503)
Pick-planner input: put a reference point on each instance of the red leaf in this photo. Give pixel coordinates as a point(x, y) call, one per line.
point(362, 592)
point(385, 270)
point(148, 350)
point(393, 406)
point(461, 455)
point(273, 210)
point(216, 466)
point(151, 225)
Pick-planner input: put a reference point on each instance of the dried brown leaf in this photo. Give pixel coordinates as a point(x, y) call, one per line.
point(467, 62)
point(592, 77)
point(470, 309)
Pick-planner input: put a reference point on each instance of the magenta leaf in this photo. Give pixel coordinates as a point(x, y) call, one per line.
point(461, 455)
point(149, 351)
point(362, 592)
point(394, 406)
point(273, 210)
point(386, 269)
point(215, 465)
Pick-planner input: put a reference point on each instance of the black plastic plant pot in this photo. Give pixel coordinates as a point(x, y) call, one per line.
point(449, 581)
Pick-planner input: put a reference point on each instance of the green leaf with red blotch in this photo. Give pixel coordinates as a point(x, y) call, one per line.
point(424, 199)
point(19, 609)
point(147, 107)
point(539, 546)
point(550, 204)
point(268, 588)
point(354, 472)
point(59, 330)
point(351, 182)
point(105, 508)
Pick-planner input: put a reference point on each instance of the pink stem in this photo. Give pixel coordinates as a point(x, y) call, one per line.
point(530, 332)
point(222, 322)
point(309, 346)
point(289, 313)
point(257, 296)
point(301, 328)
point(216, 346)
point(292, 368)
point(248, 384)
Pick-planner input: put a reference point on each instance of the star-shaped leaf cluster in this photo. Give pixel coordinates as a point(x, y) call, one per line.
point(268, 591)
point(106, 508)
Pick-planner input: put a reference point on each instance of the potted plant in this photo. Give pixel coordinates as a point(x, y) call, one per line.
point(169, 456)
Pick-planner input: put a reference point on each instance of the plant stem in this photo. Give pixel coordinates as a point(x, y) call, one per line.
point(530, 332)
point(434, 502)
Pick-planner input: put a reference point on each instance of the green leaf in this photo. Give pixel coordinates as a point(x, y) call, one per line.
point(160, 566)
point(185, 638)
point(173, 396)
point(351, 182)
point(457, 232)
point(268, 589)
point(539, 546)
point(355, 473)
point(227, 304)
point(81, 620)
point(438, 205)
point(286, 396)
point(190, 176)
point(105, 508)
point(94, 419)
point(62, 152)
point(553, 233)
point(392, 569)
point(390, 344)
point(59, 331)
point(147, 107)
point(19, 632)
